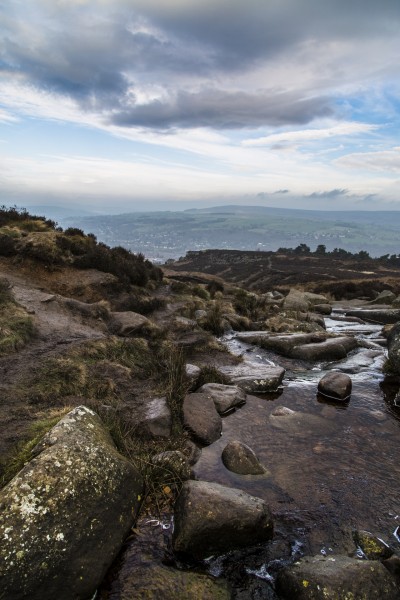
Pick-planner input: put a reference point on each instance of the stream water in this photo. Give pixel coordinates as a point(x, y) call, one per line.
point(331, 468)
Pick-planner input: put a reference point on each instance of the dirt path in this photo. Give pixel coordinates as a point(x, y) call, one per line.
point(58, 328)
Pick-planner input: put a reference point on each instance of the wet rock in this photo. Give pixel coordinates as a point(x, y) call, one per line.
point(335, 385)
point(336, 578)
point(240, 458)
point(213, 519)
point(330, 349)
point(157, 420)
point(173, 463)
point(255, 378)
point(64, 517)
point(226, 397)
point(129, 323)
point(201, 419)
point(376, 315)
point(371, 546)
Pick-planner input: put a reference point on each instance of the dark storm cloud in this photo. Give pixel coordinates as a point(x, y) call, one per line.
point(102, 54)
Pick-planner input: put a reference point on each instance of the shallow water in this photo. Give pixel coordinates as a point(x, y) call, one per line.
point(331, 468)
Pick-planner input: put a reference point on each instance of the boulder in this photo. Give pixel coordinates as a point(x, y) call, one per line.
point(336, 386)
point(302, 301)
point(128, 323)
point(64, 517)
point(295, 301)
point(213, 519)
point(240, 458)
point(157, 420)
point(226, 397)
point(201, 419)
point(336, 578)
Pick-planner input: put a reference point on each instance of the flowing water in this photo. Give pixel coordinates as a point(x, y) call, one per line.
point(330, 468)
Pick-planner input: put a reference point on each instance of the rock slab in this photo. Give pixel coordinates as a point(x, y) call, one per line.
point(336, 578)
point(64, 517)
point(213, 519)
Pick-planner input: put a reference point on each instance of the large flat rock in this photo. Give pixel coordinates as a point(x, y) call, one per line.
point(376, 315)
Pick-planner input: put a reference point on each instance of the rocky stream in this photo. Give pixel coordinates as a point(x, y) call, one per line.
point(329, 469)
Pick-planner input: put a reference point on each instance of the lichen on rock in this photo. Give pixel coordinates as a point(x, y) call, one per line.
point(65, 514)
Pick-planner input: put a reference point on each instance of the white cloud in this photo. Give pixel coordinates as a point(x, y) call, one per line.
point(386, 161)
point(311, 135)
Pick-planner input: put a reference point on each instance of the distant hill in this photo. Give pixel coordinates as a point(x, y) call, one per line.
point(166, 234)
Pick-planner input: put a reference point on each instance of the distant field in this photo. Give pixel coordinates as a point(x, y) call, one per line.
point(163, 235)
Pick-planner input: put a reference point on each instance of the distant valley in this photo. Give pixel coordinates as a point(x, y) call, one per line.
point(169, 235)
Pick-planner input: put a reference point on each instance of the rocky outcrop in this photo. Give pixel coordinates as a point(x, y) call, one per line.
point(64, 517)
point(212, 519)
point(334, 578)
point(226, 397)
point(129, 324)
point(335, 386)
point(240, 458)
point(201, 419)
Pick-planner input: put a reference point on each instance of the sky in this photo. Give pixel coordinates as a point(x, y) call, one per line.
point(115, 105)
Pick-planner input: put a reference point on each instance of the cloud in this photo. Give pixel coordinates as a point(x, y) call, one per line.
point(383, 161)
point(329, 195)
point(310, 135)
point(223, 110)
point(220, 64)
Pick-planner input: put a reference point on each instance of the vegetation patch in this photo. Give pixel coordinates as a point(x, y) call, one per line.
point(16, 326)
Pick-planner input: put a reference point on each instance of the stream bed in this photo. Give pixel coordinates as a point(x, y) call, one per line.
point(331, 468)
